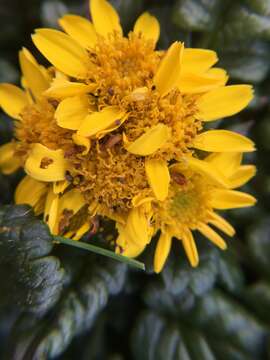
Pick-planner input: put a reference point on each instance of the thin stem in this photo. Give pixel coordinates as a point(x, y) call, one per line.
point(100, 251)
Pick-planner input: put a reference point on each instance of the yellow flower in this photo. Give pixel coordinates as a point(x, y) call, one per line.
point(196, 192)
point(100, 132)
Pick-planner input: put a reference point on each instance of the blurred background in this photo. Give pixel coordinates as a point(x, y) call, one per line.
point(76, 305)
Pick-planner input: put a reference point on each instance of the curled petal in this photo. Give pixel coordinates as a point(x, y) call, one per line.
point(60, 186)
point(51, 210)
point(78, 234)
point(45, 164)
point(71, 112)
point(12, 100)
point(32, 192)
point(150, 141)
point(8, 161)
point(100, 122)
point(72, 200)
point(137, 227)
point(126, 247)
point(82, 141)
point(158, 177)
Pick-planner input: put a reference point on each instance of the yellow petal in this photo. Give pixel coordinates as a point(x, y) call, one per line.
point(96, 123)
point(82, 141)
point(209, 171)
point(125, 245)
point(227, 162)
point(168, 73)
point(242, 176)
point(220, 223)
point(105, 18)
point(162, 251)
point(231, 199)
point(12, 100)
point(224, 101)
point(60, 186)
point(198, 60)
point(158, 177)
point(30, 191)
point(51, 210)
point(80, 29)
point(218, 73)
point(141, 199)
point(46, 165)
point(151, 141)
point(148, 26)
point(223, 141)
point(137, 227)
point(8, 161)
point(190, 248)
point(71, 112)
point(78, 234)
point(72, 200)
point(64, 89)
point(62, 51)
point(191, 83)
point(212, 236)
point(35, 79)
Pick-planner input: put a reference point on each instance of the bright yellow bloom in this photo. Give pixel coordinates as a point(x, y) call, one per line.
point(196, 191)
point(102, 131)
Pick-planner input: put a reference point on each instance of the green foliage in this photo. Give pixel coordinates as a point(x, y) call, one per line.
point(30, 278)
point(200, 318)
point(75, 312)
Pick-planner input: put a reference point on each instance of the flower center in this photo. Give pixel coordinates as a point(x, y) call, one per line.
point(187, 205)
point(120, 65)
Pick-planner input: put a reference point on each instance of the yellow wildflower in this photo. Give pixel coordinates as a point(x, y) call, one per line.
point(193, 198)
point(102, 131)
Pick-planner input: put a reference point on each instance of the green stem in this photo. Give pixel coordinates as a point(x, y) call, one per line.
point(100, 251)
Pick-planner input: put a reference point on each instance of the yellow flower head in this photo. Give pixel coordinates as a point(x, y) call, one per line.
point(115, 128)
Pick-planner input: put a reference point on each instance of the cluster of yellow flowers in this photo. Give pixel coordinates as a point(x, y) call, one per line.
point(115, 129)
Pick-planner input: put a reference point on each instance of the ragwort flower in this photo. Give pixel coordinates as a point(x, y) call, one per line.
point(115, 128)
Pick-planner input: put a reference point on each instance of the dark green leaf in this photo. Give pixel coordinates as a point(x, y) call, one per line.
point(30, 278)
point(75, 313)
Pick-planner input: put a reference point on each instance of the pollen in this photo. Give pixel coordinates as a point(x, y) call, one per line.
point(109, 175)
point(38, 125)
point(119, 65)
point(187, 205)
